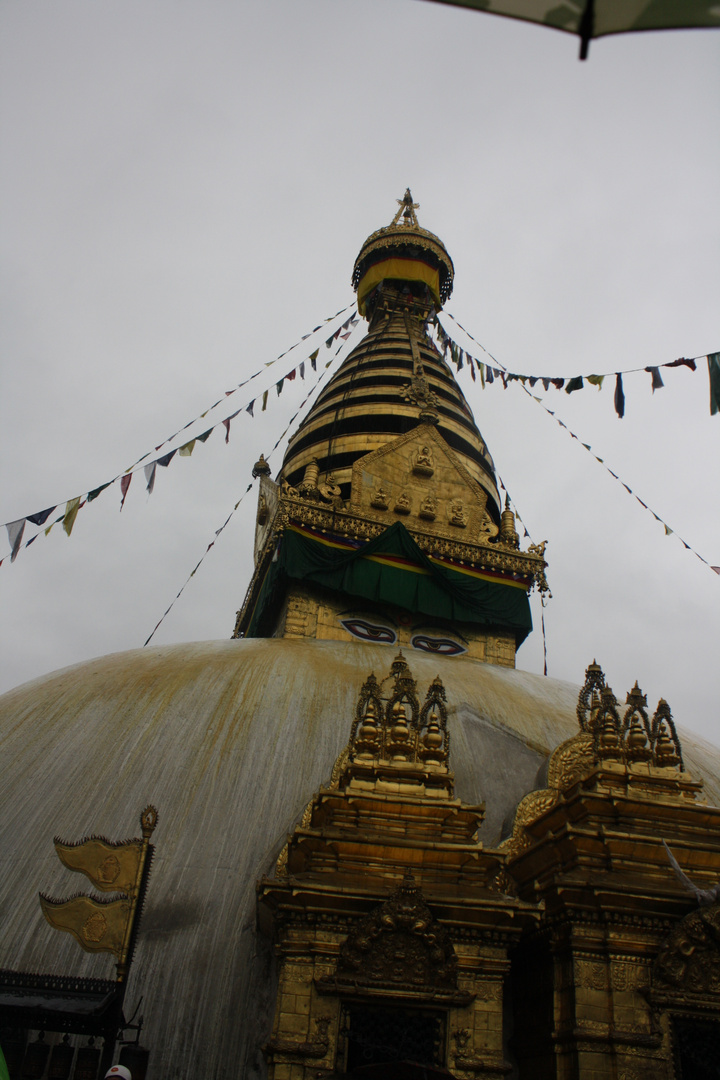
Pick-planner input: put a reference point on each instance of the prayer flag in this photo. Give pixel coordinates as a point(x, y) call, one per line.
point(124, 485)
point(15, 534)
point(489, 375)
point(302, 370)
point(682, 361)
point(291, 375)
point(558, 383)
point(164, 460)
point(546, 385)
point(574, 384)
point(472, 369)
point(205, 435)
point(596, 380)
point(657, 382)
point(668, 530)
point(313, 358)
point(150, 476)
point(41, 518)
point(71, 512)
point(264, 403)
point(619, 396)
point(250, 409)
point(714, 373)
point(187, 449)
point(92, 495)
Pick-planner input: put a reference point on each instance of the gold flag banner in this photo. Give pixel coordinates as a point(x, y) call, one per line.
point(110, 867)
point(96, 926)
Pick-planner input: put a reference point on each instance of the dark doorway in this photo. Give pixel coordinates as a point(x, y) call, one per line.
point(697, 1050)
point(378, 1035)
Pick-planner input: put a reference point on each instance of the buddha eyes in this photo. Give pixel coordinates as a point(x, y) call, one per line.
point(385, 635)
point(444, 646)
point(366, 631)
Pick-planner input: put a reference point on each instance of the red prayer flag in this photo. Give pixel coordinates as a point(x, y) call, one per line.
point(124, 485)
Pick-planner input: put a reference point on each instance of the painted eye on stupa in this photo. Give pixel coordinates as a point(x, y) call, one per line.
point(442, 645)
point(367, 631)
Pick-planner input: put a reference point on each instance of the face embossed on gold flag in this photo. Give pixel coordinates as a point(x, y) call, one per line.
point(96, 926)
point(110, 867)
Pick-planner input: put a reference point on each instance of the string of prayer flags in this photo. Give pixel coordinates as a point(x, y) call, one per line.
point(16, 529)
point(714, 369)
point(588, 447)
point(351, 320)
point(576, 382)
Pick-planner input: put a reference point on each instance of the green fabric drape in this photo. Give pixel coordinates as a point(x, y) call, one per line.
point(420, 586)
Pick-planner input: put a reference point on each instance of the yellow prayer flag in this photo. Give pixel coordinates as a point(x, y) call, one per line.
point(110, 867)
point(596, 380)
point(96, 926)
point(187, 449)
point(71, 512)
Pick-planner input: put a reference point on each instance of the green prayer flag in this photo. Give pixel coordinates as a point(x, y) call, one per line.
point(98, 490)
point(596, 380)
point(714, 373)
point(574, 384)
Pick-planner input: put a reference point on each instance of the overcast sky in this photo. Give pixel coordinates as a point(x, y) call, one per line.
point(185, 187)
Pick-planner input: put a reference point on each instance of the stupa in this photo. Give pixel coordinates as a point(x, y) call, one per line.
point(380, 848)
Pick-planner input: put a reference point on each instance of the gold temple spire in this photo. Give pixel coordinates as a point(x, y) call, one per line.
point(406, 210)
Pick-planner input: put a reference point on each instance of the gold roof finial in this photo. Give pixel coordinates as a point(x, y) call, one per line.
point(406, 210)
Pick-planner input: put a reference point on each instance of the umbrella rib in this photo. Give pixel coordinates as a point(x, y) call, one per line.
point(586, 27)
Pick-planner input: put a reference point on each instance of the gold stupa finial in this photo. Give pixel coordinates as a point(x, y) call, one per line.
point(406, 210)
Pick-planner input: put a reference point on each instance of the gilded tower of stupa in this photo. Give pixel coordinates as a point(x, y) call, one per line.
point(385, 522)
point(380, 850)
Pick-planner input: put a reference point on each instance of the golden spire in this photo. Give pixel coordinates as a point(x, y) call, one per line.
point(407, 210)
